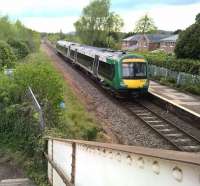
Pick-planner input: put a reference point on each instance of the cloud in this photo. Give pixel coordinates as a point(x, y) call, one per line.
point(53, 15)
point(36, 7)
point(137, 4)
point(166, 17)
point(50, 24)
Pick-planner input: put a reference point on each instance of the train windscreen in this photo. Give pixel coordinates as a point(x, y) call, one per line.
point(134, 70)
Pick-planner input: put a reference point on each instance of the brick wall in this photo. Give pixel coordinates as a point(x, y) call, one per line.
point(168, 46)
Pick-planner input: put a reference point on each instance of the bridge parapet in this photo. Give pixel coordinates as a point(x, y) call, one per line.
point(83, 163)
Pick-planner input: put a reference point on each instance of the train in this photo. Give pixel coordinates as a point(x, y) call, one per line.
point(121, 72)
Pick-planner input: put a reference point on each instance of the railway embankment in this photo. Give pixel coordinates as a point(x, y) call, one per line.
point(113, 112)
point(127, 128)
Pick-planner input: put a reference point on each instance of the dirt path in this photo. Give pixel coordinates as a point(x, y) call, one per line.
point(8, 170)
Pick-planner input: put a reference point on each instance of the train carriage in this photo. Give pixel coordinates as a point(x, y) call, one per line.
point(120, 71)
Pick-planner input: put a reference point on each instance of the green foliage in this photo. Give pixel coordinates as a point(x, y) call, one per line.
point(20, 48)
point(18, 118)
point(18, 31)
point(197, 18)
point(188, 44)
point(171, 62)
point(145, 25)
point(19, 121)
point(54, 37)
point(7, 57)
point(45, 83)
point(97, 23)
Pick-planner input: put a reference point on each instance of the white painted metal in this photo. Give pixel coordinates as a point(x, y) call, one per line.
point(62, 156)
point(112, 168)
point(50, 169)
point(57, 181)
point(97, 166)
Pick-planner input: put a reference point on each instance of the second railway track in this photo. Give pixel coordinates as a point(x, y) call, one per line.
point(177, 136)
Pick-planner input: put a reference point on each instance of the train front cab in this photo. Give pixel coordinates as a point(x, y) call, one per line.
point(134, 75)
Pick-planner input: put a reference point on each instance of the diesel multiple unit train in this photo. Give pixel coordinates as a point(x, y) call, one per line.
point(118, 70)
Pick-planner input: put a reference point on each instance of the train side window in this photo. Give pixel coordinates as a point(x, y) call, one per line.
point(85, 60)
point(72, 54)
point(66, 50)
point(106, 70)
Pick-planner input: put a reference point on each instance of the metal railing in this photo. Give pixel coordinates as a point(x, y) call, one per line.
point(83, 163)
point(180, 78)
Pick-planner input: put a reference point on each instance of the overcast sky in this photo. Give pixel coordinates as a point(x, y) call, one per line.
point(53, 15)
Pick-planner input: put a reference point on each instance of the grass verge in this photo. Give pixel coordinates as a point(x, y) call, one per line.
point(25, 145)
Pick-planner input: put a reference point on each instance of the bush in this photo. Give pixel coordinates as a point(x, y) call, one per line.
point(7, 57)
point(45, 83)
point(19, 121)
point(188, 44)
point(171, 62)
point(20, 48)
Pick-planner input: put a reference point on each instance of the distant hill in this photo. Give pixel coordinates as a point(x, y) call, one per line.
point(164, 32)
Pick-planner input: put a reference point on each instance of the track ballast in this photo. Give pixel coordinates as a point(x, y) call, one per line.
point(177, 136)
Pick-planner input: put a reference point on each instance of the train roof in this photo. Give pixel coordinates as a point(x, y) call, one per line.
point(91, 51)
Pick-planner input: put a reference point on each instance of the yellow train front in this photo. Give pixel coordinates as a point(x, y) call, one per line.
point(130, 74)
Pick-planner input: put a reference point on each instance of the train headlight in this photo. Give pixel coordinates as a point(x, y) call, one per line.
point(123, 85)
point(146, 84)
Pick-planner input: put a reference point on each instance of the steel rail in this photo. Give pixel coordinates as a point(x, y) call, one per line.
point(168, 126)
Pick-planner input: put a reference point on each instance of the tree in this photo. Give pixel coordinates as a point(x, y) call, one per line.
point(61, 35)
point(178, 31)
point(198, 18)
point(145, 25)
point(97, 23)
point(188, 44)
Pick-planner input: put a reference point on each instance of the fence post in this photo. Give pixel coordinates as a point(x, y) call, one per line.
point(166, 74)
point(73, 163)
point(38, 108)
point(178, 79)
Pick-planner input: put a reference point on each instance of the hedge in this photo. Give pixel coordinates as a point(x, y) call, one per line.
point(20, 48)
point(7, 56)
point(171, 62)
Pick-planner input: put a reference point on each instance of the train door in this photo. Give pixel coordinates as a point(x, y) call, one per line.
point(75, 56)
point(95, 65)
point(68, 53)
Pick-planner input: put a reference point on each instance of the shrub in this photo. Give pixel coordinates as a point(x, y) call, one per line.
point(45, 83)
point(171, 62)
point(7, 57)
point(188, 44)
point(20, 48)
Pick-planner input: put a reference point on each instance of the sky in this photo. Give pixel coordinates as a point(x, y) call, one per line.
point(56, 15)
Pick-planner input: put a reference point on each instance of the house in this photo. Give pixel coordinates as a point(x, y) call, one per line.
point(168, 44)
point(143, 42)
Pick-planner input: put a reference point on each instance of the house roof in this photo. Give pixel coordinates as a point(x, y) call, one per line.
point(151, 37)
point(133, 38)
point(170, 39)
point(156, 37)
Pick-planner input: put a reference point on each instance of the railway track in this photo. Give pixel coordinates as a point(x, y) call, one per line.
point(177, 136)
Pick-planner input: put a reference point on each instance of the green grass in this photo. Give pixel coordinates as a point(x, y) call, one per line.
point(72, 122)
